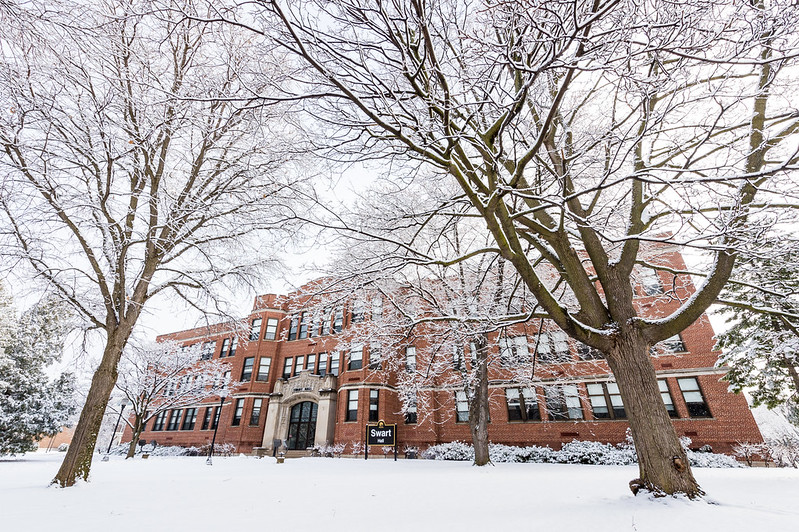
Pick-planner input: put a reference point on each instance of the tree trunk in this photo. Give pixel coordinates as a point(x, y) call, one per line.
point(136, 434)
point(478, 404)
point(663, 465)
point(78, 460)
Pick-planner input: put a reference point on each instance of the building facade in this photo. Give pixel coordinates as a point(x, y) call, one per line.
point(308, 381)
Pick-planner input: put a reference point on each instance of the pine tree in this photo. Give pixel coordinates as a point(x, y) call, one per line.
point(31, 405)
point(762, 346)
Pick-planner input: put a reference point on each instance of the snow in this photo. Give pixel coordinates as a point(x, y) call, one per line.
point(312, 494)
point(773, 424)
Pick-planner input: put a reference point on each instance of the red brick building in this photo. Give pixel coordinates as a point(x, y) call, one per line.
point(306, 383)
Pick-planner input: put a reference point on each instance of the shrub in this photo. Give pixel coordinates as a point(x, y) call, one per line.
point(329, 451)
point(784, 450)
point(456, 450)
point(575, 452)
point(595, 453)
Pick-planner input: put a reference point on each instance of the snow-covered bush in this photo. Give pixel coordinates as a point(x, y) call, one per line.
point(784, 451)
point(329, 451)
point(223, 449)
point(357, 447)
point(595, 453)
point(509, 453)
point(456, 450)
point(703, 459)
point(167, 450)
point(575, 452)
point(748, 451)
point(220, 449)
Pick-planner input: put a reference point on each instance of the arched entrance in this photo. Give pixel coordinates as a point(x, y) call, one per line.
point(302, 426)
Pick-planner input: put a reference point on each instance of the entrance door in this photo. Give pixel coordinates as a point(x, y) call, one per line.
point(302, 426)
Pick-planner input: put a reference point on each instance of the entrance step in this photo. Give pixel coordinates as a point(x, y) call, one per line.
point(298, 454)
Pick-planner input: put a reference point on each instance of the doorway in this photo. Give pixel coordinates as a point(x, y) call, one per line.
point(302, 426)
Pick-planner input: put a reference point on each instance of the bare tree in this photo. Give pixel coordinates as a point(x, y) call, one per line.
point(136, 162)
point(156, 378)
point(578, 132)
point(443, 315)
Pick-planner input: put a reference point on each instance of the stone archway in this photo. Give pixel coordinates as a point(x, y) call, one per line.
point(287, 395)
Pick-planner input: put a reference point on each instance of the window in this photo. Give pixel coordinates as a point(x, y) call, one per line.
point(324, 324)
point(206, 418)
point(602, 394)
point(255, 329)
point(563, 402)
point(674, 344)
point(693, 397)
point(375, 355)
point(667, 400)
point(293, 327)
point(263, 369)
point(410, 410)
point(458, 361)
point(233, 345)
point(352, 405)
point(217, 414)
point(160, 419)
point(310, 363)
point(322, 364)
point(338, 321)
point(174, 420)
point(225, 347)
point(410, 358)
point(650, 282)
point(358, 312)
point(374, 401)
point(461, 407)
point(255, 415)
point(377, 308)
point(356, 357)
point(553, 348)
point(668, 346)
point(513, 351)
point(287, 366)
point(585, 352)
point(303, 325)
point(271, 329)
point(522, 404)
point(237, 413)
point(190, 419)
point(334, 361)
point(473, 353)
point(313, 326)
point(299, 362)
point(246, 371)
point(207, 350)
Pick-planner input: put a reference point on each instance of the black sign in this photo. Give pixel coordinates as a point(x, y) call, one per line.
point(381, 434)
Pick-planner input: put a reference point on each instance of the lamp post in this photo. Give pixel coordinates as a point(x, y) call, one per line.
point(113, 434)
point(218, 417)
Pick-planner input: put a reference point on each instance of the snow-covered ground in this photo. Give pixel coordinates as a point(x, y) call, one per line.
point(322, 494)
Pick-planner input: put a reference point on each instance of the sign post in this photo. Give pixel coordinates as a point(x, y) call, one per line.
point(381, 434)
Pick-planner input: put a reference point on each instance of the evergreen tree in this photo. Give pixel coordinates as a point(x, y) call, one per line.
point(31, 405)
point(762, 346)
